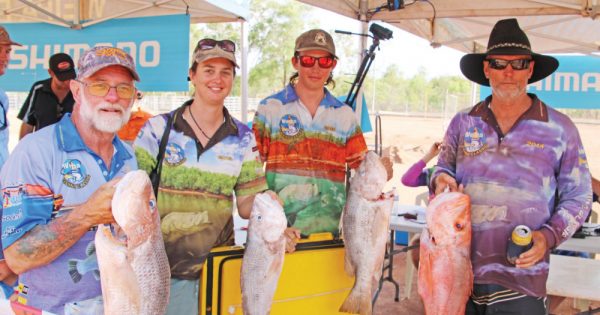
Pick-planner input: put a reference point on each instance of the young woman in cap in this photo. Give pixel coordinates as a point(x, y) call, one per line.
point(208, 156)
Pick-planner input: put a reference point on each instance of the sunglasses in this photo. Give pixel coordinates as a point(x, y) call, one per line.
point(501, 64)
point(209, 43)
point(100, 89)
point(309, 61)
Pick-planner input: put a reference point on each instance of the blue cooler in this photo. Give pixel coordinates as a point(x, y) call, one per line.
point(401, 238)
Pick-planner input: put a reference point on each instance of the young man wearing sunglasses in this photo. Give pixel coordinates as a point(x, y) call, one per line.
point(306, 138)
point(209, 156)
point(522, 163)
point(58, 185)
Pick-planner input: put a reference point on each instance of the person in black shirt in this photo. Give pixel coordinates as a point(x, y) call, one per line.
point(49, 99)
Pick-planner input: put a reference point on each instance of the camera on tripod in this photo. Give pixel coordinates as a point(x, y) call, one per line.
point(380, 32)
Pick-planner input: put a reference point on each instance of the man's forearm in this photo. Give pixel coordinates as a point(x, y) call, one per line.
point(44, 243)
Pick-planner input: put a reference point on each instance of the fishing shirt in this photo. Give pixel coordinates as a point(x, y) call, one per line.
point(42, 107)
point(197, 185)
point(306, 156)
point(47, 174)
point(4, 127)
point(536, 175)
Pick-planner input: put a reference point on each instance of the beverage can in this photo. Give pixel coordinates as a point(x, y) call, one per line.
point(518, 243)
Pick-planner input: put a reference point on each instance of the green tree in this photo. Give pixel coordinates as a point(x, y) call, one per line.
point(274, 26)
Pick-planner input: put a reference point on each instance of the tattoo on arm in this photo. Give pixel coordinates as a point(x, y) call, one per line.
point(46, 242)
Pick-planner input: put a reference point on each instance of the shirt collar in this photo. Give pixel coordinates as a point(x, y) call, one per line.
point(47, 85)
point(537, 111)
point(289, 96)
point(69, 139)
point(229, 128)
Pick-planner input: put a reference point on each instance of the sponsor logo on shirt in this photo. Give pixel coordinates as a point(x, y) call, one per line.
point(475, 141)
point(74, 174)
point(290, 125)
point(535, 144)
point(11, 196)
point(582, 159)
point(174, 154)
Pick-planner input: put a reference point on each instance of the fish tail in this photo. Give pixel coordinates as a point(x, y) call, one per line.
point(357, 303)
point(73, 272)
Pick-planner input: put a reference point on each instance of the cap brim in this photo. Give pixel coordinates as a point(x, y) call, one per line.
point(10, 43)
point(471, 65)
point(91, 72)
point(317, 48)
point(64, 76)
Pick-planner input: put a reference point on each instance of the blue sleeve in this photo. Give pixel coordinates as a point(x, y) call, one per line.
point(27, 200)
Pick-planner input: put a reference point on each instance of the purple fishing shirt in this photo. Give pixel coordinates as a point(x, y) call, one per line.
point(536, 175)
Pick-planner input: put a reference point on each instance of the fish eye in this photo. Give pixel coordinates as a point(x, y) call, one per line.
point(459, 226)
point(259, 217)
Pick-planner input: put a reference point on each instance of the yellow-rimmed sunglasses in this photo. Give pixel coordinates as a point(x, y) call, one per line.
point(100, 89)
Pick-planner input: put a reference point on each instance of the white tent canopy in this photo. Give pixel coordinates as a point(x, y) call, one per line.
point(553, 26)
point(82, 13)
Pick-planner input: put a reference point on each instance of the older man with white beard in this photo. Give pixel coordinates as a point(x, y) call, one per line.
point(58, 186)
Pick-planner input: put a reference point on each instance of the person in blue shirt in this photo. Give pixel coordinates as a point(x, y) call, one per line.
point(5, 48)
point(58, 184)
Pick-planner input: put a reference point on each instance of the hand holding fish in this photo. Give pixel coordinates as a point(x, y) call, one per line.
point(292, 235)
point(274, 196)
point(445, 181)
point(389, 166)
point(98, 208)
point(535, 254)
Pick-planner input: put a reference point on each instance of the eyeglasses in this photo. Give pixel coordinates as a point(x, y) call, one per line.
point(124, 91)
point(501, 64)
point(309, 61)
point(209, 43)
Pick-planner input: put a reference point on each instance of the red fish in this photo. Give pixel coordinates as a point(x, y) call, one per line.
point(445, 272)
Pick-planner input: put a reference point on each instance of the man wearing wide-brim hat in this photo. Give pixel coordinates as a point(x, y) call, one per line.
point(522, 163)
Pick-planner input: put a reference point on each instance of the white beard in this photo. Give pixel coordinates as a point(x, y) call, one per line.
point(105, 122)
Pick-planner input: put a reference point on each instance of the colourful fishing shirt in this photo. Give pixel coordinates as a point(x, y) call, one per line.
point(306, 156)
point(47, 174)
point(536, 175)
point(197, 185)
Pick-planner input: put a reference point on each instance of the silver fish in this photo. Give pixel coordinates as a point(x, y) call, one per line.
point(365, 223)
point(263, 257)
point(134, 269)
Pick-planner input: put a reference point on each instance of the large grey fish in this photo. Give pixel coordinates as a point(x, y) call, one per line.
point(263, 257)
point(134, 269)
point(365, 223)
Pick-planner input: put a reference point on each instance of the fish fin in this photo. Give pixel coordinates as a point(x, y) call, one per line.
point(96, 274)
point(90, 249)
point(73, 272)
point(357, 303)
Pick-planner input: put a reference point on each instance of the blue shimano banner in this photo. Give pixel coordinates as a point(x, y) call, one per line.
point(159, 45)
point(575, 84)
